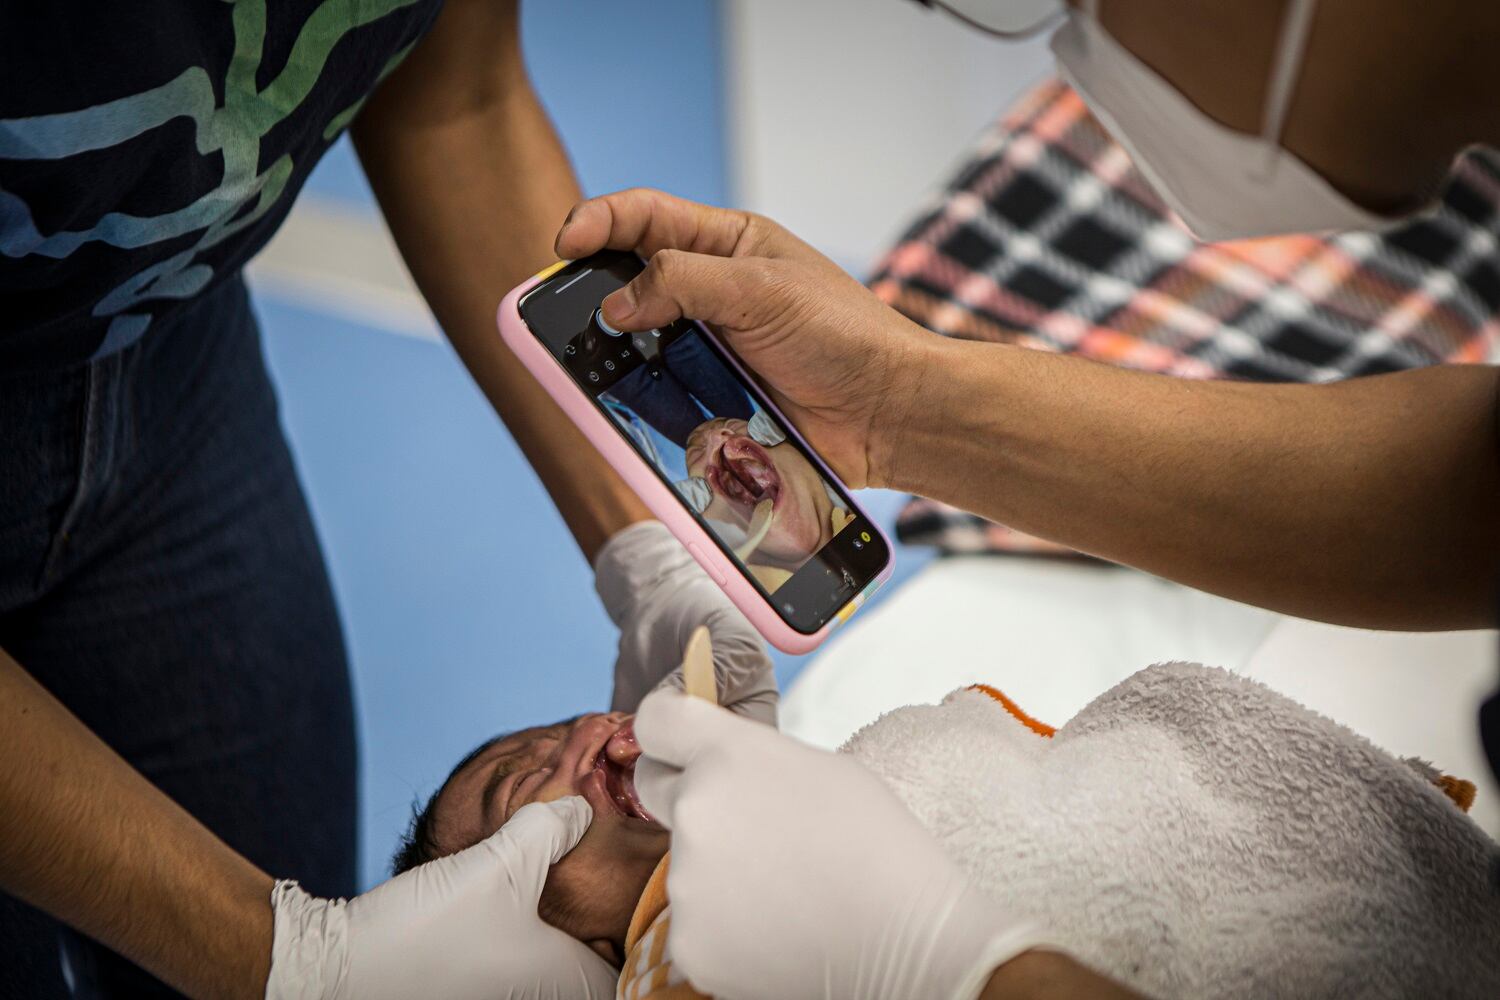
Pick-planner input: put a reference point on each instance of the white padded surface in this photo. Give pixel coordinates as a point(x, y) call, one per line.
point(1414, 694)
point(1054, 635)
point(1050, 633)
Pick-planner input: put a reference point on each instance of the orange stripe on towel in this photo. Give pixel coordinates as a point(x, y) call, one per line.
point(1457, 789)
point(1040, 728)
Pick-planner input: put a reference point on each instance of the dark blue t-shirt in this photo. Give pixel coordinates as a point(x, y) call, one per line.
point(148, 149)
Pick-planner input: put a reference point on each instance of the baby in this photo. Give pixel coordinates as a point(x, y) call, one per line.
point(657, 596)
point(1191, 833)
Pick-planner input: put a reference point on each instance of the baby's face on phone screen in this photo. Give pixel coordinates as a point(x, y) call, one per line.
point(742, 473)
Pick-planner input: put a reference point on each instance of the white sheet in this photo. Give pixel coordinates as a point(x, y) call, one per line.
point(1197, 835)
point(1054, 635)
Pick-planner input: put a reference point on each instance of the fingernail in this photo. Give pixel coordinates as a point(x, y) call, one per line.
point(562, 230)
point(619, 305)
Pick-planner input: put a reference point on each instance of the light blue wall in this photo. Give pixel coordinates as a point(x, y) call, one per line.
point(635, 90)
point(467, 608)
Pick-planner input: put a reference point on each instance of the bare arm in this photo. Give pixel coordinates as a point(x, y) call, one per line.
point(104, 851)
point(1049, 975)
point(473, 182)
point(1373, 502)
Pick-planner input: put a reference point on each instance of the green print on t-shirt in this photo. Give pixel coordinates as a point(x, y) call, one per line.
point(233, 129)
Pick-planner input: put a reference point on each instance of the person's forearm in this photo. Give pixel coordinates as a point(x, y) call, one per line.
point(1050, 975)
point(1373, 502)
point(88, 840)
point(474, 183)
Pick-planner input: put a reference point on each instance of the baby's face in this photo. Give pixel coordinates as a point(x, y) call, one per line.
point(742, 473)
point(593, 755)
point(591, 893)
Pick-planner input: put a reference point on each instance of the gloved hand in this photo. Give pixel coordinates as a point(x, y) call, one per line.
point(796, 872)
point(464, 927)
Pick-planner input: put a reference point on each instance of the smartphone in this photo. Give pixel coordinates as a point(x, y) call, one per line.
point(686, 427)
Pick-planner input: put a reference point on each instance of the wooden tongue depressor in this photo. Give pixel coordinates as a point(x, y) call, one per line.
point(698, 666)
point(760, 523)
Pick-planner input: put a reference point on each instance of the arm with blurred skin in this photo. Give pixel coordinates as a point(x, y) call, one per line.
point(473, 183)
point(1371, 502)
point(85, 838)
point(106, 852)
point(453, 138)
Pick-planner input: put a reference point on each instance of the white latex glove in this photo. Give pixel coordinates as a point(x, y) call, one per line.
point(696, 491)
point(797, 873)
point(764, 431)
point(464, 927)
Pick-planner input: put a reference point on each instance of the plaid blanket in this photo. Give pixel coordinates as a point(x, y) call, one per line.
point(1048, 238)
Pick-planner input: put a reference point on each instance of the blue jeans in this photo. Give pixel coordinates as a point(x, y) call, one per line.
point(160, 576)
point(690, 382)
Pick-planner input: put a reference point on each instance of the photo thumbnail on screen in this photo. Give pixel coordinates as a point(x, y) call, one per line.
point(729, 459)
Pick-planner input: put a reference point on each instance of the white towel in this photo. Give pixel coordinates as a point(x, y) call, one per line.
point(1195, 834)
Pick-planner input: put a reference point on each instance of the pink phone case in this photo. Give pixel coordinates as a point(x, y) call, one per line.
point(656, 495)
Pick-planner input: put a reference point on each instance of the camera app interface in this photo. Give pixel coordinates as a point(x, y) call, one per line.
point(692, 417)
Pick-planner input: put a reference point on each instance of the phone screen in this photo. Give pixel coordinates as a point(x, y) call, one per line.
point(711, 437)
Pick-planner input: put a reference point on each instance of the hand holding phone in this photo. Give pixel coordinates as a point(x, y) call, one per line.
point(691, 433)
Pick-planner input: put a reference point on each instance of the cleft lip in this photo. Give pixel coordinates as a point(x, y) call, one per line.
point(619, 785)
point(743, 472)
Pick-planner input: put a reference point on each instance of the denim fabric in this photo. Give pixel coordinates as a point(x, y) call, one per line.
point(690, 382)
point(160, 575)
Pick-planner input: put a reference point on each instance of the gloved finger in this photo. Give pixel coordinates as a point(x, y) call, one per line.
point(539, 835)
point(696, 491)
point(646, 221)
point(671, 726)
point(764, 431)
point(575, 968)
point(656, 784)
point(597, 979)
point(733, 292)
point(674, 728)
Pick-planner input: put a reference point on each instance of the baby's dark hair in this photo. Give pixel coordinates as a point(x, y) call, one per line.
point(419, 845)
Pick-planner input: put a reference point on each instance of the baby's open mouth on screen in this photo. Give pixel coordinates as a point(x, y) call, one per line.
point(743, 473)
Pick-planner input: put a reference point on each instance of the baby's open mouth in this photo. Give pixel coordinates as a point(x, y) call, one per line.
point(619, 785)
point(743, 473)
